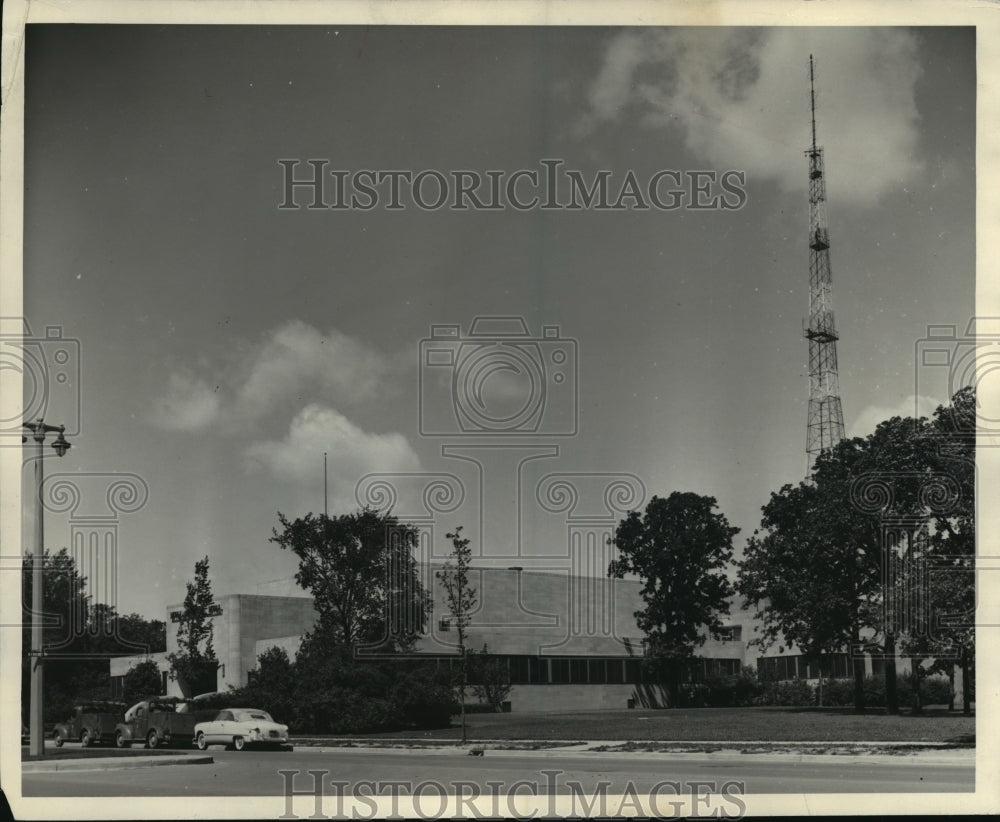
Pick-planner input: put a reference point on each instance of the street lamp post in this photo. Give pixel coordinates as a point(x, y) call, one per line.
point(38, 431)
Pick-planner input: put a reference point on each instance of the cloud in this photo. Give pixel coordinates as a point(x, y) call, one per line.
point(296, 357)
point(293, 363)
point(740, 100)
point(352, 452)
point(868, 419)
point(189, 404)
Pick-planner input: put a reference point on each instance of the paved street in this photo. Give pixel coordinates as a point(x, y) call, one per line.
point(256, 773)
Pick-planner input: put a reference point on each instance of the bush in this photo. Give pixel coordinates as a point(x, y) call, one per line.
point(792, 692)
point(425, 698)
point(732, 691)
point(142, 680)
point(838, 692)
point(936, 690)
point(692, 695)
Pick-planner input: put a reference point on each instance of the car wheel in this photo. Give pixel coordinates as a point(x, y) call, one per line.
point(152, 741)
point(120, 740)
point(85, 739)
point(57, 738)
point(201, 742)
point(239, 743)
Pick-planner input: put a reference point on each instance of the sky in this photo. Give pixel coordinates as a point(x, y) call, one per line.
point(226, 343)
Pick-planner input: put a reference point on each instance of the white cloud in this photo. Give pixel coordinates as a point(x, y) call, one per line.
point(295, 357)
point(352, 452)
point(869, 417)
point(294, 363)
point(189, 404)
point(741, 100)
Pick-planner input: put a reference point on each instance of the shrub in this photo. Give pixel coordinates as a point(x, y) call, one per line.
point(936, 690)
point(792, 692)
point(732, 691)
point(838, 692)
point(424, 698)
point(142, 680)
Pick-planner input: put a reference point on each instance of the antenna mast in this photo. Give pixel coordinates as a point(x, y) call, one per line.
point(825, 425)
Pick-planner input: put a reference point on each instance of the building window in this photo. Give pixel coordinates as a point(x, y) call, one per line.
point(616, 671)
point(163, 682)
point(729, 633)
point(444, 624)
point(597, 671)
point(578, 671)
point(559, 671)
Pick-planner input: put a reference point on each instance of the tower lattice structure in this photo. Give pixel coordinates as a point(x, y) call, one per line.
point(825, 426)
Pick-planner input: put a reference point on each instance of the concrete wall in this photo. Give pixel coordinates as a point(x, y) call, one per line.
point(554, 698)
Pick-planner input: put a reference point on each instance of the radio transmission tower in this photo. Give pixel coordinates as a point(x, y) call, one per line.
point(825, 427)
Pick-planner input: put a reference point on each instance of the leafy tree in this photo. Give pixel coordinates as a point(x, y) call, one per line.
point(79, 636)
point(70, 673)
point(490, 678)
point(142, 680)
point(273, 684)
point(809, 576)
point(945, 633)
point(194, 666)
point(461, 599)
point(364, 580)
point(815, 575)
point(679, 548)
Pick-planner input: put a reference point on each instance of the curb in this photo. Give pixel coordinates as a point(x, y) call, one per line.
point(727, 750)
point(113, 763)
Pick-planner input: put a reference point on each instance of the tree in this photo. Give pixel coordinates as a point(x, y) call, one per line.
point(945, 560)
point(273, 683)
point(461, 599)
point(364, 580)
point(679, 549)
point(72, 671)
point(142, 680)
point(194, 666)
point(811, 579)
point(819, 575)
point(490, 678)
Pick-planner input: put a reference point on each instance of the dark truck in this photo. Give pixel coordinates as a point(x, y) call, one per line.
point(163, 721)
point(91, 722)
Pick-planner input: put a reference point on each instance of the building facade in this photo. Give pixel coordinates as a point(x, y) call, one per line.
point(571, 642)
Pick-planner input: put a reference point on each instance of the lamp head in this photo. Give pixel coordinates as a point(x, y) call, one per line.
point(61, 446)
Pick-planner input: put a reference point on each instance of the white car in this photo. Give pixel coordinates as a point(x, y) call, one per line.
point(240, 727)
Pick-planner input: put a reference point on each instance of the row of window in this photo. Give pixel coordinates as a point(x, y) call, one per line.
point(539, 670)
point(798, 666)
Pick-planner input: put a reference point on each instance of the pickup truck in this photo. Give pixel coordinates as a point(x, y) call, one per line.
point(165, 721)
point(91, 722)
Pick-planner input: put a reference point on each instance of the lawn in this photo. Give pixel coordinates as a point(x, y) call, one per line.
point(710, 724)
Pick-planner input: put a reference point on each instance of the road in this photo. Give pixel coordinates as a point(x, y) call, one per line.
point(257, 773)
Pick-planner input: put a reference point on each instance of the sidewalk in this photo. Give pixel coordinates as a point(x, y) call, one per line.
point(112, 763)
point(943, 750)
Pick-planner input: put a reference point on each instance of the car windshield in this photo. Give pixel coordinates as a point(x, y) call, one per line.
point(247, 716)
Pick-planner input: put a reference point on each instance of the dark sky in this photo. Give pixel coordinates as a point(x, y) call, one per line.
point(226, 343)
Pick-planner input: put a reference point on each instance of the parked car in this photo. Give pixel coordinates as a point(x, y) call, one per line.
point(240, 727)
point(161, 721)
point(91, 722)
